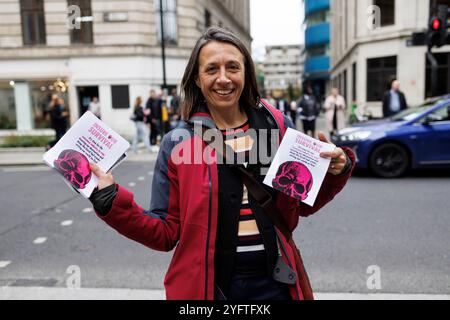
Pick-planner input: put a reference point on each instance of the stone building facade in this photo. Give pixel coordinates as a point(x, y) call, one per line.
point(114, 53)
point(283, 69)
point(369, 51)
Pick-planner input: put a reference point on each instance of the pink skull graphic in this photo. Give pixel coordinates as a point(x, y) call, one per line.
point(294, 179)
point(75, 168)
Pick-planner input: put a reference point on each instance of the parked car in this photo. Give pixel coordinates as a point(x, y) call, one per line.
point(418, 137)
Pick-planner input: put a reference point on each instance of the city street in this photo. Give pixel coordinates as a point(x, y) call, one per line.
point(399, 226)
point(81, 78)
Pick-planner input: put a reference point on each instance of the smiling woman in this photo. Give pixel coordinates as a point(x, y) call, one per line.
point(222, 70)
point(227, 245)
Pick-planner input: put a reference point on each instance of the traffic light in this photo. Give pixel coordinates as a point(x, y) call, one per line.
point(437, 27)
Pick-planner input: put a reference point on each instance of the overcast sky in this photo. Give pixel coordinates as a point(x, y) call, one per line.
point(275, 22)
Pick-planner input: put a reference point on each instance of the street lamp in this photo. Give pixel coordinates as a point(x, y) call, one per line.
point(163, 49)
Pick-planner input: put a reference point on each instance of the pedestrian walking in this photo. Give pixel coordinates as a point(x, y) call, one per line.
point(153, 106)
point(174, 109)
point(310, 109)
point(227, 246)
point(94, 107)
point(59, 116)
point(283, 105)
point(335, 112)
point(165, 116)
point(394, 100)
point(293, 114)
point(141, 132)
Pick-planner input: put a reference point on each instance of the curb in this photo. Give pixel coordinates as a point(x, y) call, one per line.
point(33, 157)
point(15, 150)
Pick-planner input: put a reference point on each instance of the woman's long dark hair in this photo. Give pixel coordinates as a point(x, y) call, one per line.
point(191, 95)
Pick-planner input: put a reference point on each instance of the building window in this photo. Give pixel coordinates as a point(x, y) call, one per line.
point(354, 79)
point(7, 106)
point(83, 34)
point(380, 73)
point(387, 8)
point(120, 97)
point(317, 18)
point(207, 19)
point(33, 21)
point(440, 2)
point(170, 27)
point(443, 75)
point(344, 85)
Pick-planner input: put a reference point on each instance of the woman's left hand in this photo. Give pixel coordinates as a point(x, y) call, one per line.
point(338, 157)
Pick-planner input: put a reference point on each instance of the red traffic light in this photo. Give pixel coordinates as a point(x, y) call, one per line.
point(436, 24)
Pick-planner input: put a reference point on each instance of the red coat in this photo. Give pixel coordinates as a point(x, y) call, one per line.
point(184, 209)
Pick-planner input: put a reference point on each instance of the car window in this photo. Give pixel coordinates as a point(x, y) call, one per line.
point(411, 113)
point(441, 114)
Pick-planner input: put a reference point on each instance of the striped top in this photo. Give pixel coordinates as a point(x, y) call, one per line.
point(250, 251)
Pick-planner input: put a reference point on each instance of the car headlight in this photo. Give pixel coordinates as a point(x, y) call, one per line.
point(355, 136)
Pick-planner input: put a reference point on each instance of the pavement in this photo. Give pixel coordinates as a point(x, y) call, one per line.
point(42, 293)
point(33, 156)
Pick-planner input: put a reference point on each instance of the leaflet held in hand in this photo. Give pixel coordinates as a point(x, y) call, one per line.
point(88, 140)
point(297, 168)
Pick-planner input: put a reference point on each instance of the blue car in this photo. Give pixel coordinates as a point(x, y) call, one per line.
point(418, 137)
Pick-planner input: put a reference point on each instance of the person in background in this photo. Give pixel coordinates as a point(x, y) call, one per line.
point(283, 105)
point(310, 109)
point(335, 111)
point(153, 107)
point(394, 100)
point(59, 116)
point(141, 128)
point(94, 107)
point(293, 114)
point(174, 112)
point(165, 117)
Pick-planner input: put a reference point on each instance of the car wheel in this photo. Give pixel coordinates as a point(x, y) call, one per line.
point(389, 160)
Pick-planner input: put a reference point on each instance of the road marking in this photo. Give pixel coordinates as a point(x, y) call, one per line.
point(141, 178)
point(150, 173)
point(131, 184)
point(86, 210)
point(3, 264)
point(40, 240)
point(66, 223)
point(58, 210)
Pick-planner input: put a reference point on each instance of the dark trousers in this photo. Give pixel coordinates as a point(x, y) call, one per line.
point(254, 288)
point(154, 131)
point(309, 125)
point(60, 131)
point(294, 117)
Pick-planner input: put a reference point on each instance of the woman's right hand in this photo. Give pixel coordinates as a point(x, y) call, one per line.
point(104, 179)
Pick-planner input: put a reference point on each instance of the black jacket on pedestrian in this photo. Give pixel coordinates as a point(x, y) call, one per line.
point(58, 120)
point(138, 114)
point(310, 108)
point(387, 102)
point(155, 106)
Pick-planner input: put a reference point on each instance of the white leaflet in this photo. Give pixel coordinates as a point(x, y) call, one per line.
point(297, 168)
